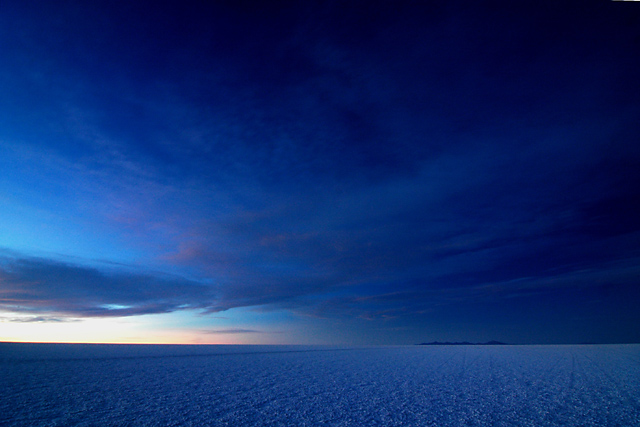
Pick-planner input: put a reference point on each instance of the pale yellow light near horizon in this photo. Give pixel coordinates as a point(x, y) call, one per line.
point(18, 328)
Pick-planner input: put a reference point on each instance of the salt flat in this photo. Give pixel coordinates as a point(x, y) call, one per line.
point(118, 385)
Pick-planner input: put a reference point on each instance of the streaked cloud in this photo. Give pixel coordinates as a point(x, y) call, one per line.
point(36, 285)
point(233, 331)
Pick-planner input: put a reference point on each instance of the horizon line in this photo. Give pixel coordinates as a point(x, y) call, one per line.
point(435, 343)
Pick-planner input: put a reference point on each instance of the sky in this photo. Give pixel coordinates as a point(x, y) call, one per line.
point(352, 173)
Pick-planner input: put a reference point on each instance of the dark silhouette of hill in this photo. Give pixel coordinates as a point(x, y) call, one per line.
point(464, 343)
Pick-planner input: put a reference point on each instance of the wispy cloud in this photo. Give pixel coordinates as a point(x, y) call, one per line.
point(36, 285)
point(233, 331)
point(38, 319)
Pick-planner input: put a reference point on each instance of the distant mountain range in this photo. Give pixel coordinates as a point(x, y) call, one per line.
point(464, 343)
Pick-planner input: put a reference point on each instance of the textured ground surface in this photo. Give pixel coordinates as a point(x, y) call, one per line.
point(58, 385)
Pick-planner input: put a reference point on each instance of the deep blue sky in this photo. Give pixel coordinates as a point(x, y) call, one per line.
point(344, 172)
